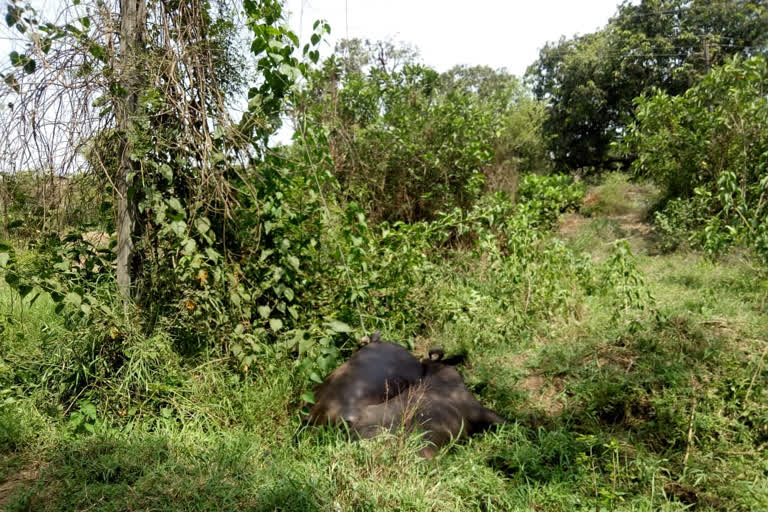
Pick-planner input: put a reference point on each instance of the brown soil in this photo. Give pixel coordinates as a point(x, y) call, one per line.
point(631, 225)
point(571, 225)
point(545, 394)
point(14, 481)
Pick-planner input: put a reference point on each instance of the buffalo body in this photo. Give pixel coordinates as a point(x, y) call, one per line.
point(383, 386)
point(376, 372)
point(440, 405)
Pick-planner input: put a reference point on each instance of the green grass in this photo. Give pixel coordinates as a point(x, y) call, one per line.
point(646, 410)
point(617, 196)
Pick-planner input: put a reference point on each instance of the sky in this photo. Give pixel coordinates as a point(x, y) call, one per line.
point(496, 33)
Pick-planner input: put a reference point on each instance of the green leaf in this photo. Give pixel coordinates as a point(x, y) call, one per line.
point(88, 410)
point(176, 204)
point(5, 257)
point(166, 172)
point(75, 420)
point(12, 279)
point(179, 227)
point(11, 82)
point(189, 246)
point(288, 293)
point(304, 345)
point(264, 311)
point(212, 254)
point(74, 299)
point(338, 326)
point(24, 290)
point(30, 66)
point(308, 396)
point(13, 15)
point(203, 224)
point(275, 324)
point(294, 261)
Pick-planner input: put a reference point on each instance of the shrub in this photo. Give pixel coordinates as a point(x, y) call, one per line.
point(550, 196)
point(711, 143)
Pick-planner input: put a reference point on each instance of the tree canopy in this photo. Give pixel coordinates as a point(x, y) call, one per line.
point(590, 81)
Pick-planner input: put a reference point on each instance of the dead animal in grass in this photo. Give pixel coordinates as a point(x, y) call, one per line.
point(380, 389)
point(376, 372)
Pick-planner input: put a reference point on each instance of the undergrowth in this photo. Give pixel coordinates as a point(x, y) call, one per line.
point(633, 382)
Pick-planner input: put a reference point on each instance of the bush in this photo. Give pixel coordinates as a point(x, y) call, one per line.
point(677, 223)
point(550, 196)
point(406, 142)
point(710, 143)
point(610, 198)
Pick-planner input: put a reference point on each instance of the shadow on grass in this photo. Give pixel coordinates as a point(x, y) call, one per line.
point(111, 472)
point(663, 392)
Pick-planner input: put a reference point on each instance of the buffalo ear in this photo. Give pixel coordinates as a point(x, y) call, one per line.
point(436, 353)
point(376, 336)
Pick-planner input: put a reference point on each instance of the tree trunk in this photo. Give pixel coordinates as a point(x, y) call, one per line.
point(133, 24)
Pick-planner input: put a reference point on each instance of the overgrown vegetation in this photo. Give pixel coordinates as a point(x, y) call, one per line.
point(709, 150)
point(407, 142)
point(632, 367)
point(590, 81)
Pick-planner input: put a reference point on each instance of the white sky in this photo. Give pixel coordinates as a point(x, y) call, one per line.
point(496, 33)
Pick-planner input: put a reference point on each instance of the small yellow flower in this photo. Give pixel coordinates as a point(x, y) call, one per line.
point(202, 275)
point(190, 305)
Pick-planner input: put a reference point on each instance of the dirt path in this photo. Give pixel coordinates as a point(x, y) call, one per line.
point(618, 211)
point(14, 481)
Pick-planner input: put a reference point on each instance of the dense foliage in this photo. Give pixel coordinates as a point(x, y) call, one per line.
point(408, 142)
point(590, 81)
point(709, 148)
point(419, 203)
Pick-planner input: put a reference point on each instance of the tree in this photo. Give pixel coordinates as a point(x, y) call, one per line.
point(140, 98)
point(708, 148)
point(132, 78)
point(400, 145)
point(590, 81)
point(122, 75)
point(408, 142)
point(517, 118)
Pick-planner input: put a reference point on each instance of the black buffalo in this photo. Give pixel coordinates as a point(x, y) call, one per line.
point(384, 387)
point(376, 372)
